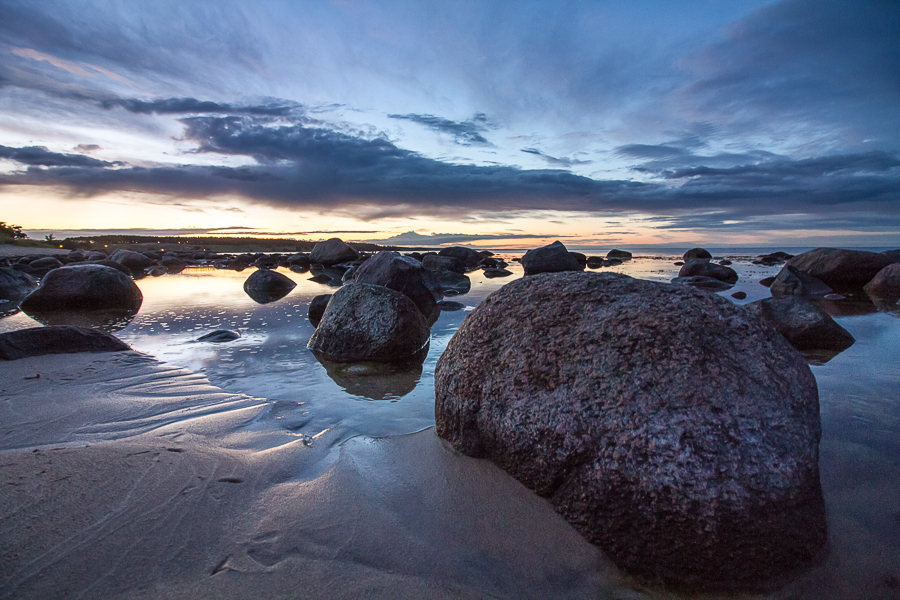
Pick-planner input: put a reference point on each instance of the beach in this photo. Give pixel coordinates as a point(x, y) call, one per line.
point(246, 469)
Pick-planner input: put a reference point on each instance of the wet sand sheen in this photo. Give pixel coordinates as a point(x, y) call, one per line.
point(224, 502)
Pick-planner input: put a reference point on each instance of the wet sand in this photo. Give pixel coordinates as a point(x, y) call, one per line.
point(123, 477)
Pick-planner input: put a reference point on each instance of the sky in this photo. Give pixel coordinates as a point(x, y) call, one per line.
point(482, 122)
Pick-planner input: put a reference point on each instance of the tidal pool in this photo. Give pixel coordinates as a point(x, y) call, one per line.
point(859, 393)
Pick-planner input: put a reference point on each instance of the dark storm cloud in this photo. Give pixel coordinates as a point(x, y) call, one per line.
point(807, 67)
point(466, 133)
point(300, 166)
point(194, 106)
point(562, 162)
point(40, 156)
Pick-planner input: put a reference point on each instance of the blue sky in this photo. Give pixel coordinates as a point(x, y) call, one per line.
point(639, 122)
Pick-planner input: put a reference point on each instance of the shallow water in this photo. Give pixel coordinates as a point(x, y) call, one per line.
point(860, 403)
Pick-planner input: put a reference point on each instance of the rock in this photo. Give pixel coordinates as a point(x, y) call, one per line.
point(791, 281)
point(298, 259)
point(450, 305)
point(317, 308)
point(370, 323)
point(452, 283)
point(173, 264)
point(696, 253)
point(581, 258)
point(59, 339)
point(265, 286)
point(84, 287)
point(219, 336)
point(886, 284)
point(772, 259)
point(491, 273)
point(709, 284)
point(672, 428)
point(725, 262)
point(402, 274)
point(45, 264)
point(767, 281)
point(320, 278)
point(435, 262)
point(135, 261)
point(594, 262)
point(156, 271)
point(106, 263)
point(802, 323)
point(678, 263)
point(705, 268)
point(739, 295)
point(841, 269)
point(15, 285)
point(553, 258)
point(332, 252)
point(470, 258)
point(621, 254)
point(894, 255)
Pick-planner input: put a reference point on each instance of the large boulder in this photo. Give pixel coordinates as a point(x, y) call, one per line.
point(553, 258)
point(620, 254)
point(841, 269)
point(57, 339)
point(704, 268)
point(15, 285)
point(435, 262)
point(332, 252)
point(672, 428)
point(791, 281)
point(403, 274)
point(802, 323)
point(265, 286)
point(84, 287)
point(317, 308)
point(886, 284)
point(710, 284)
point(365, 322)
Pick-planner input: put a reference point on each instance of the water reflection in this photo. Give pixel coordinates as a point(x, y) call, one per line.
point(108, 320)
point(375, 381)
point(261, 296)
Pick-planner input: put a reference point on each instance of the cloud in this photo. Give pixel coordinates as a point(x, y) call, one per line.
point(465, 133)
point(411, 238)
point(370, 177)
point(563, 162)
point(821, 71)
point(194, 106)
point(40, 156)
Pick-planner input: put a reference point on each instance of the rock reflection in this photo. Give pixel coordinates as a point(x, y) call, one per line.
point(108, 320)
point(850, 306)
point(261, 296)
point(375, 381)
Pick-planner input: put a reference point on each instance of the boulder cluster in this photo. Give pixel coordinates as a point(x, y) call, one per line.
point(387, 302)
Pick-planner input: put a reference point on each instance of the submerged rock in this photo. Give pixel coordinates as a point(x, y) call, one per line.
point(553, 258)
point(59, 339)
point(802, 323)
point(365, 322)
point(494, 272)
point(219, 335)
point(672, 428)
point(84, 287)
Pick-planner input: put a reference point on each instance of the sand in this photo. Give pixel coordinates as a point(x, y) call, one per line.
point(124, 477)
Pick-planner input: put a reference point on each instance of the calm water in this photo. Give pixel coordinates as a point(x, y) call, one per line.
point(859, 392)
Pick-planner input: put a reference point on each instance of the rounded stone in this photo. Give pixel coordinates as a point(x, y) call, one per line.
point(672, 428)
point(84, 287)
point(365, 322)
